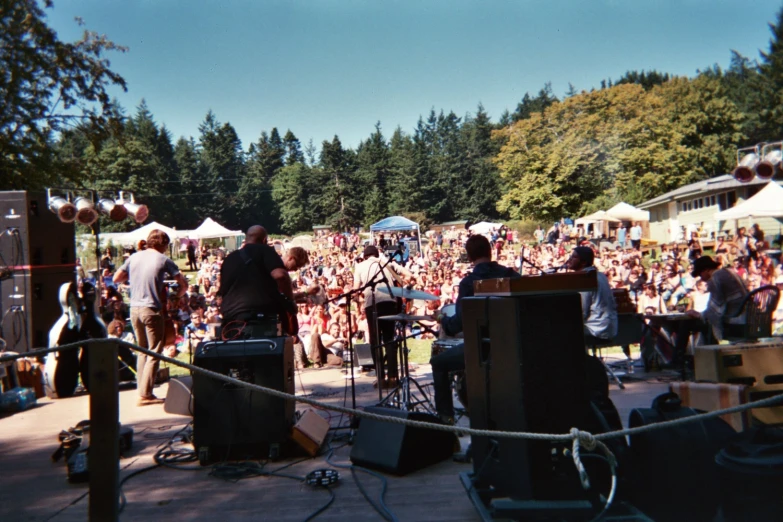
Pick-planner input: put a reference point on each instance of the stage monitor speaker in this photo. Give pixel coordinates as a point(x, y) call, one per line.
point(397, 448)
point(40, 252)
point(231, 422)
point(362, 356)
point(526, 370)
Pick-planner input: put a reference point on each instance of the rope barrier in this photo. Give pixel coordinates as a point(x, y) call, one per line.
point(458, 430)
point(579, 439)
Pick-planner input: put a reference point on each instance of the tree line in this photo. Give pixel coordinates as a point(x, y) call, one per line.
point(631, 139)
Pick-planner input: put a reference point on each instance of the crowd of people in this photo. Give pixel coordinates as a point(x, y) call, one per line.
point(658, 280)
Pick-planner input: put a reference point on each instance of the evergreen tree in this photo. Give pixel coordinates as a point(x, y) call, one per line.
point(293, 149)
point(529, 104)
point(222, 160)
point(481, 177)
point(373, 161)
point(190, 178)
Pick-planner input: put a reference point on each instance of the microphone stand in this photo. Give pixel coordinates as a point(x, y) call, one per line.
point(529, 262)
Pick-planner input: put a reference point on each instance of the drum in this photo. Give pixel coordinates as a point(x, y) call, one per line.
point(441, 345)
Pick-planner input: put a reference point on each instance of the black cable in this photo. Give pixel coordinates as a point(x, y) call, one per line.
point(325, 506)
point(383, 510)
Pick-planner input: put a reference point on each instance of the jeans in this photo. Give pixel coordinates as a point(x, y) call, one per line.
point(149, 327)
point(443, 364)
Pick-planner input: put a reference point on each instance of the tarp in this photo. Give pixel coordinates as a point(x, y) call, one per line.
point(484, 227)
point(768, 202)
point(394, 223)
point(211, 229)
point(628, 212)
point(601, 215)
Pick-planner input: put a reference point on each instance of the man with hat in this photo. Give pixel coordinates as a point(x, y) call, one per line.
point(727, 293)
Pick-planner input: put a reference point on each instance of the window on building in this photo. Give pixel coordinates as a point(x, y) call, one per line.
point(722, 201)
point(665, 212)
point(731, 199)
point(712, 200)
point(684, 206)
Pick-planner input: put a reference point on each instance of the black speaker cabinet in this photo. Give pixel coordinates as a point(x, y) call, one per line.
point(43, 240)
point(40, 251)
point(400, 449)
point(525, 370)
point(362, 356)
point(234, 423)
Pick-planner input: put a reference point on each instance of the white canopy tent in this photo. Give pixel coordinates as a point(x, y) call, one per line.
point(305, 242)
point(484, 227)
point(768, 202)
point(141, 233)
point(211, 229)
point(626, 212)
point(601, 215)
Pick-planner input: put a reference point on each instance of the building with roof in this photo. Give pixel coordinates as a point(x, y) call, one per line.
point(694, 207)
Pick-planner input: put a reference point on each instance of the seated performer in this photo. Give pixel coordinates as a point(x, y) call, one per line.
point(480, 256)
point(599, 310)
point(727, 293)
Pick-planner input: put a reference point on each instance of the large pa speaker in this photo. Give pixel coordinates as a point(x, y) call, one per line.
point(231, 422)
point(40, 252)
point(525, 368)
point(397, 448)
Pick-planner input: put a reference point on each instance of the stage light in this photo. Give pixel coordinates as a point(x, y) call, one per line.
point(86, 213)
point(64, 209)
point(138, 212)
point(115, 211)
point(771, 162)
point(745, 169)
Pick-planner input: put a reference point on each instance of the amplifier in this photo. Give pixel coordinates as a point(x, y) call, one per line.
point(231, 422)
point(526, 370)
point(756, 365)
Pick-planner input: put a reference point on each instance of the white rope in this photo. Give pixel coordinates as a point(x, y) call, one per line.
point(577, 437)
point(461, 431)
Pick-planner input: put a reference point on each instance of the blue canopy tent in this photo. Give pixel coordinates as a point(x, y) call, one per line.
point(396, 224)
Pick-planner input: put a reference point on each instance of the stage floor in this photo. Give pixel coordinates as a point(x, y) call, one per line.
point(32, 488)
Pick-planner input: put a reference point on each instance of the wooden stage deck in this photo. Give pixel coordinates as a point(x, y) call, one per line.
point(32, 488)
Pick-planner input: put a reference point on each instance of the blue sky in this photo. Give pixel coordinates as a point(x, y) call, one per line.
point(326, 67)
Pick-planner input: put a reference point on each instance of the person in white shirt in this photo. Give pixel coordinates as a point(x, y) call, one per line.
point(599, 310)
point(636, 236)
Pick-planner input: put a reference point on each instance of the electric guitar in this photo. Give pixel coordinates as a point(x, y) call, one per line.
point(61, 369)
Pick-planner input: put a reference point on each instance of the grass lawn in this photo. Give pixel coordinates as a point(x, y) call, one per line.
point(420, 352)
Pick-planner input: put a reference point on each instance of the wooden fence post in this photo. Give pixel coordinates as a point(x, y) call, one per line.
point(104, 454)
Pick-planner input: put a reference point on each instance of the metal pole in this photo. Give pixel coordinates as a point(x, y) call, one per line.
point(104, 454)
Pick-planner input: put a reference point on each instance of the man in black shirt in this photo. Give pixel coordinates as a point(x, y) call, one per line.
point(254, 284)
point(480, 255)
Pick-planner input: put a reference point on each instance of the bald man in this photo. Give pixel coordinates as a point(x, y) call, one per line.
point(255, 285)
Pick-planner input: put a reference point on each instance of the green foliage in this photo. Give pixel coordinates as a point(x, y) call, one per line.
point(617, 143)
point(634, 138)
point(47, 85)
